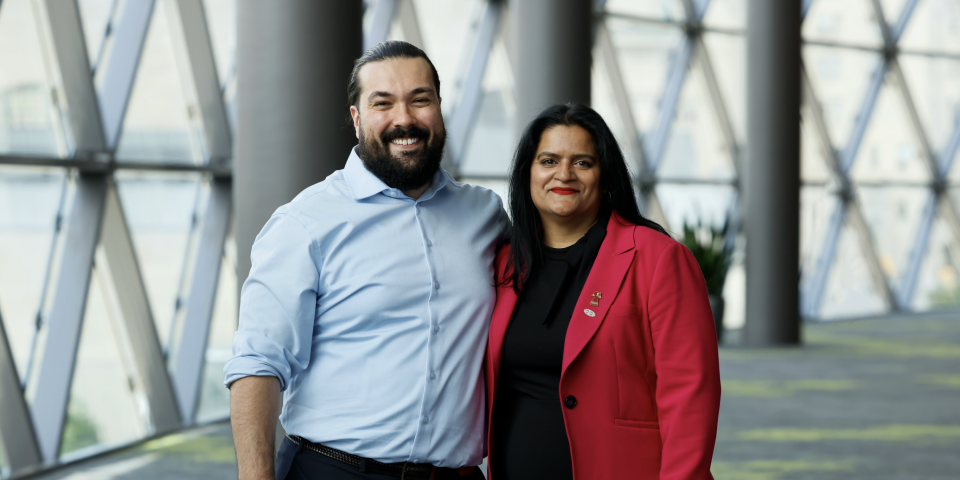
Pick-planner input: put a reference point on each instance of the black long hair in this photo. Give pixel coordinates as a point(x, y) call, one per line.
point(526, 244)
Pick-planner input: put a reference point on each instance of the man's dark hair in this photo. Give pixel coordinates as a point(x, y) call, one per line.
point(383, 51)
point(526, 244)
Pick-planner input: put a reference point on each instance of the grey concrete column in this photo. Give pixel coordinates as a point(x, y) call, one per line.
point(550, 43)
point(293, 63)
point(773, 172)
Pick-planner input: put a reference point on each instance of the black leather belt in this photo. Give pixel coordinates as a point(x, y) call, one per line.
point(404, 470)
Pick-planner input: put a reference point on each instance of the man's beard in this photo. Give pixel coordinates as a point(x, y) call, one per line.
point(408, 170)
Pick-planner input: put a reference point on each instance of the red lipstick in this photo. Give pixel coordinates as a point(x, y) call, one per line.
point(564, 190)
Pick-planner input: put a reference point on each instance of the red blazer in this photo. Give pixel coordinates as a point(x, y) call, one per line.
point(643, 371)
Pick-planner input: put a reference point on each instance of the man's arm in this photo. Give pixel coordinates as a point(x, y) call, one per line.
point(254, 408)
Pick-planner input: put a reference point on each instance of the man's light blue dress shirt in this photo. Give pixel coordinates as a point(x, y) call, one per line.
point(372, 308)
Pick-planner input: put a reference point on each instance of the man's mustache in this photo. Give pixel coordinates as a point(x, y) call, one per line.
point(412, 132)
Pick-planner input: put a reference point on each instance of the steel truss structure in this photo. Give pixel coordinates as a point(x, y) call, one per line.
point(91, 103)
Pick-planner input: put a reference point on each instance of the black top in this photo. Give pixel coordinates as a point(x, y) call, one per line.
point(529, 437)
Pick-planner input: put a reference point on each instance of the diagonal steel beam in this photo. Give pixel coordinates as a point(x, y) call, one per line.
point(913, 116)
point(117, 70)
point(18, 442)
point(906, 13)
point(65, 316)
point(948, 211)
point(383, 13)
point(187, 359)
point(137, 334)
point(908, 279)
point(856, 221)
point(805, 8)
point(609, 56)
point(702, 6)
point(668, 103)
point(68, 68)
point(812, 296)
point(819, 124)
point(407, 15)
point(885, 32)
point(198, 73)
point(849, 153)
point(720, 109)
point(949, 153)
point(690, 11)
point(472, 92)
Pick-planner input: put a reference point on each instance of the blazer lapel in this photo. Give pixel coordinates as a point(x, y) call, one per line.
point(613, 260)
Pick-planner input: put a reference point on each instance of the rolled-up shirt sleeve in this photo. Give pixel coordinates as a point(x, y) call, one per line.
point(277, 304)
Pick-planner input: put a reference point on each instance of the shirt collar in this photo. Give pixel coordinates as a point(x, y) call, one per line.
point(363, 184)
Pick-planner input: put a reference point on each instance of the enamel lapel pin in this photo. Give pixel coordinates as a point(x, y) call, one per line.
point(594, 302)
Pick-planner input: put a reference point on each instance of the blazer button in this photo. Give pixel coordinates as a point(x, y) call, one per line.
point(570, 401)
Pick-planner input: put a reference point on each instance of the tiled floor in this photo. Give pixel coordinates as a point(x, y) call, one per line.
point(871, 399)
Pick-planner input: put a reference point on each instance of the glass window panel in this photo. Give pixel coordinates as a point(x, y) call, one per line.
point(938, 283)
point(850, 290)
point(157, 126)
point(670, 10)
point(28, 116)
point(936, 94)
point(490, 144)
point(726, 14)
point(159, 209)
point(813, 163)
point(102, 411)
point(95, 16)
point(816, 207)
point(31, 200)
point(695, 147)
point(853, 22)
point(221, 18)
point(840, 79)
point(645, 53)
point(889, 150)
point(602, 100)
point(728, 54)
point(214, 397)
point(448, 30)
point(686, 203)
point(934, 27)
point(893, 215)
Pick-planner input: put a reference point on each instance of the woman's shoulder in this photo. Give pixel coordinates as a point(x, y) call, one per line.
point(647, 238)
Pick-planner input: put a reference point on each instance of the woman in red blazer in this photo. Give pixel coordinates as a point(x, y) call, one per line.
point(602, 355)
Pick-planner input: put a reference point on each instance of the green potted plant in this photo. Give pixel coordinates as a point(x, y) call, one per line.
point(708, 245)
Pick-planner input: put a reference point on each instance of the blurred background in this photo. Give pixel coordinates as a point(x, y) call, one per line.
point(123, 242)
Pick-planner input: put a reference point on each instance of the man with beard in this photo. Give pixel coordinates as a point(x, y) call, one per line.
point(368, 301)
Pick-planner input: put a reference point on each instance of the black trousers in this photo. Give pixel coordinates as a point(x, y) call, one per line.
point(295, 463)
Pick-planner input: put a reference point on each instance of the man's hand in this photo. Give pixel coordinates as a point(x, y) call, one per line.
point(254, 408)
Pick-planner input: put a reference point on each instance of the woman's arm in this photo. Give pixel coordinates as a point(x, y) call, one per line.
point(688, 372)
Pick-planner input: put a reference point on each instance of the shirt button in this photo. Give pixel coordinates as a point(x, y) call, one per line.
point(433, 375)
point(424, 419)
point(429, 243)
point(436, 329)
point(436, 284)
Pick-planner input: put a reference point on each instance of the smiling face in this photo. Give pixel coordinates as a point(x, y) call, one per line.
point(565, 176)
point(398, 122)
